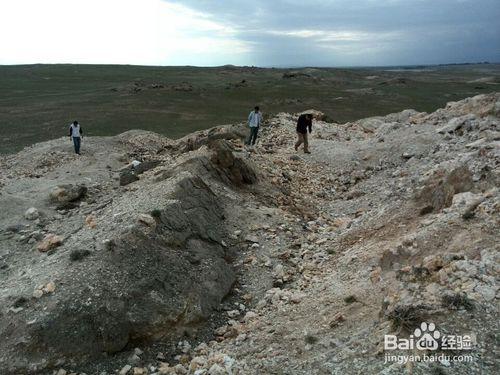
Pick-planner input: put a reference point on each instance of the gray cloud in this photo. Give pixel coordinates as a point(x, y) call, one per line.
point(362, 32)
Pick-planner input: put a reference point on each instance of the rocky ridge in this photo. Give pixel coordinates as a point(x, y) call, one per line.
point(253, 261)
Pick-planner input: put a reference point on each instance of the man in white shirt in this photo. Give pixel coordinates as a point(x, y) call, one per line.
point(76, 135)
point(254, 121)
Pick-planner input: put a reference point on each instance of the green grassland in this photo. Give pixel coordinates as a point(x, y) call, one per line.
point(37, 102)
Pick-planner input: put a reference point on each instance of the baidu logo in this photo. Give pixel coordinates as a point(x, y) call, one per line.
point(427, 337)
point(432, 344)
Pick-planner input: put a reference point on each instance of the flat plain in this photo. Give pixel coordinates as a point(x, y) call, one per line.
point(37, 102)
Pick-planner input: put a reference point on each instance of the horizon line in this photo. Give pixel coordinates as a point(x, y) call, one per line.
point(264, 67)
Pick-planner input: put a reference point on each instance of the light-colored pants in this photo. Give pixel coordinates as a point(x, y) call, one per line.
point(302, 138)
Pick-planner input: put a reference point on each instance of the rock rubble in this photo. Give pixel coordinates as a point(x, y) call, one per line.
point(224, 259)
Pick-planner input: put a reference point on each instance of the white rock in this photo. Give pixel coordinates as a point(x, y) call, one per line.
point(228, 363)
point(297, 297)
point(160, 356)
point(184, 346)
point(241, 337)
point(197, 362)
point(202, 348)
point(38, 293)
point(125, 369)
point(31, 214)
point(147, 219)
point(180, 369)
point(476, 144)
point(456, 123)
point(445, 362)
point(486, 291)
point(253, 239)
point(216, 370)
point(50, 287)
point(134, 359)
point(249, 316)
point(279, 271)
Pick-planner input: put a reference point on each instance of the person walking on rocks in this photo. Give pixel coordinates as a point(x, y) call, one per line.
point(76, 135)
point(254, 121)
point(303, 124)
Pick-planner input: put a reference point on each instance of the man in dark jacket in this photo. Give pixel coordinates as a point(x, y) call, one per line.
point(303, 123)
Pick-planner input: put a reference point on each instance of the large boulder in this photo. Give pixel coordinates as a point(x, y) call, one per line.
point(439, 189)
point(131, 172)
point(49, 242)
point(146, 166)
point(31, 214)
point(205, 137)
point(235, 168)
point(457, 123)
point(65, 196)
point(127, 176)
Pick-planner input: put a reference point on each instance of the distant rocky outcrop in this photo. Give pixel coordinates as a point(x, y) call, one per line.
point(295, 74)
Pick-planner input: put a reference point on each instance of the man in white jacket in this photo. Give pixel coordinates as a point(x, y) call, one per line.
point(76, 135)
point(254, 121)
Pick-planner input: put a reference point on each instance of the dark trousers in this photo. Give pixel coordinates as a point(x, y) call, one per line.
point(76, 143)
point(254, 130)
point(302, 139)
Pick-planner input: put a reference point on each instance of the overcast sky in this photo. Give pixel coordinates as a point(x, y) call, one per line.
point(258, 32)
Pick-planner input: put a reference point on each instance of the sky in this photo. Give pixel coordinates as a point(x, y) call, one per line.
point(259, 32)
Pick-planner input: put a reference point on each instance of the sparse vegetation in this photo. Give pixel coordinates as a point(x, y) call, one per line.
point(407, 317)
point(77, 255)
point(310, 339)
point(156, 214)
point(38, 101)
point(457, 301)
point(19, 302)
point(350, 299)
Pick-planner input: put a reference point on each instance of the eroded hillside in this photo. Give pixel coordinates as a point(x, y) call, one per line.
point(200, 256)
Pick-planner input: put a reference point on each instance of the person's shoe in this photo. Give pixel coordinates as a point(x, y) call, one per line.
point(307, 152)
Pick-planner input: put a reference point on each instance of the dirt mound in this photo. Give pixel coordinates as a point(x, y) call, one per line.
point(132, 264)
point(144, 282)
